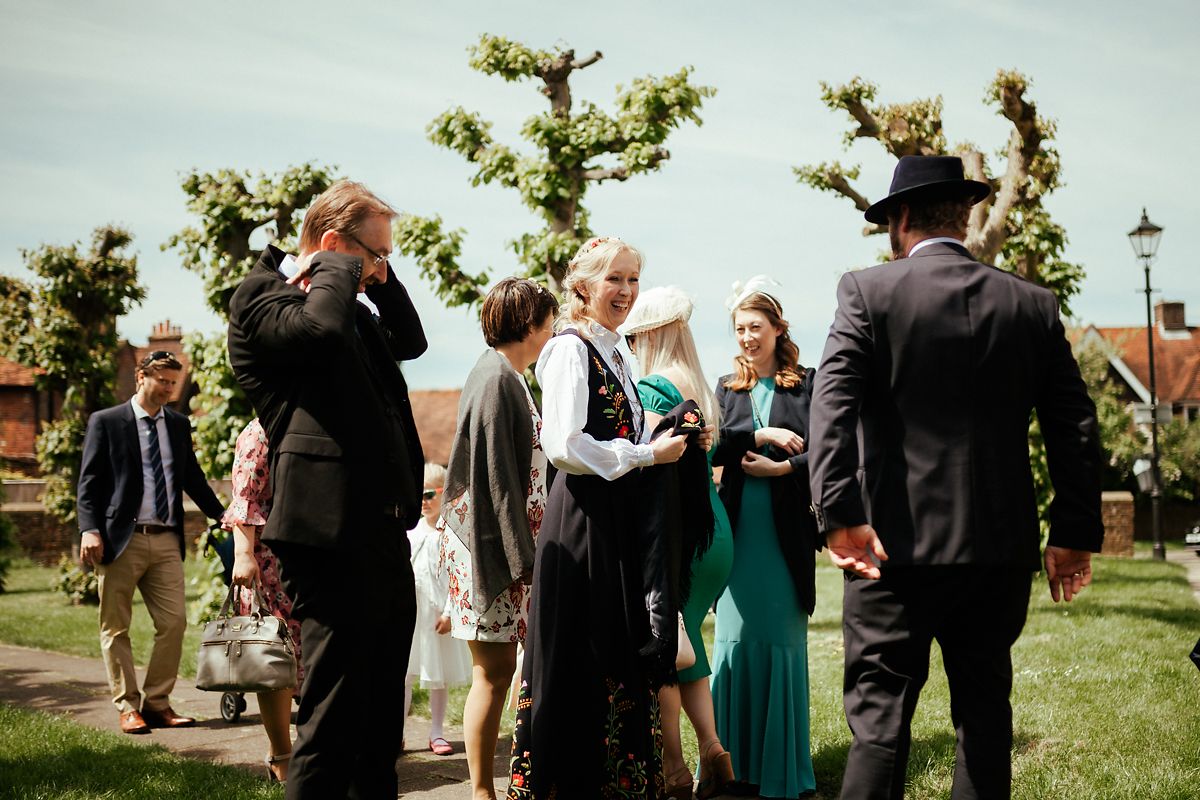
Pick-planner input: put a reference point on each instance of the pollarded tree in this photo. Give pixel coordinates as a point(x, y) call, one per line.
point(1010, 229)
point(575, 149)
point(67, 318)
point(232, 207)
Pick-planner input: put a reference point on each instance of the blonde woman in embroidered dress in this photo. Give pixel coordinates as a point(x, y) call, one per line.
point(436, 659)
point(587, 717)
point(494, 500)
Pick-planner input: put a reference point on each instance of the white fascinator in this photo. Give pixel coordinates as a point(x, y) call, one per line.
point(656, 307)
point(759, 284)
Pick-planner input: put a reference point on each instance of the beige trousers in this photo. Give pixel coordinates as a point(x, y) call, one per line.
point(150, 563)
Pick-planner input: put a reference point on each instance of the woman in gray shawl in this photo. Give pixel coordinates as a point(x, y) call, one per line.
point(494, 499)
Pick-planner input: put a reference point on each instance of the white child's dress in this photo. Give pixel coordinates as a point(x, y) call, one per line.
point(439, 660)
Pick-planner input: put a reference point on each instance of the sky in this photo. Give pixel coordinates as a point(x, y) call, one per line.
point(107, 105)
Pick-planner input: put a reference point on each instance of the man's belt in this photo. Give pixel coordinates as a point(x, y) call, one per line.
point(395, 511)
point(150, 528)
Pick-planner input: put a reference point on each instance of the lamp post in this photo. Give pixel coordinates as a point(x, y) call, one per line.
point(1144, 239)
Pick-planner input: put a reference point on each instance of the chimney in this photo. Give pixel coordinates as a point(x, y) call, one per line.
point(165, 332)
point(1168, 315)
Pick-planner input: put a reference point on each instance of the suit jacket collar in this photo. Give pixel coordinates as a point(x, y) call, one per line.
point(943, 249)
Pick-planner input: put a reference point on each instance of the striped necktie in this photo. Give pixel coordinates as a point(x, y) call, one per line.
point(161, 507)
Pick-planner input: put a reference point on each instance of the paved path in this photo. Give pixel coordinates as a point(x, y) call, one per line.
point(77, 687)
point(1191, 562)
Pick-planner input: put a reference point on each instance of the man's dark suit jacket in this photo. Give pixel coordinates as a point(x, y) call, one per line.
point(794, 524)
point(941, 359)
point(322, 374)
point(110, 477)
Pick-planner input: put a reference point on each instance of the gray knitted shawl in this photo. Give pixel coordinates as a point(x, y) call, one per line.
point(490, 459)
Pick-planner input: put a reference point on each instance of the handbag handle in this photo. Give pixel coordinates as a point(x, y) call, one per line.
point(257, 601)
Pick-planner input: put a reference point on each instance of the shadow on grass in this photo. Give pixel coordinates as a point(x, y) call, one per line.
point(1186, 618)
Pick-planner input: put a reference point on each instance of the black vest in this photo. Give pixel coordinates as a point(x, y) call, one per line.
point(609, 415)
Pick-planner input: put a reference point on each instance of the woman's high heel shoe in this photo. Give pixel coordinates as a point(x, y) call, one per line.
point(679, 784)
point(269, 761)
point(716, 770)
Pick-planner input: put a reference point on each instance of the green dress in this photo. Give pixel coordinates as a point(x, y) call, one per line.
point(710, 570)
point(760, 656)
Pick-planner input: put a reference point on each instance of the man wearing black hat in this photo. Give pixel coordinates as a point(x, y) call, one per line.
point(921, 481)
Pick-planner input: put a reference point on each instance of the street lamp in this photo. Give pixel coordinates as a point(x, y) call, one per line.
point(1144, 239)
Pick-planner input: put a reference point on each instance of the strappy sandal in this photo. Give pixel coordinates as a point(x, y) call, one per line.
point(716, 771)
point(271, 760)
point(679, 784)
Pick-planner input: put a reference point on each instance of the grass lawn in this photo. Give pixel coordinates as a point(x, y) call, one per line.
point(45, 757)
point(1106, 702)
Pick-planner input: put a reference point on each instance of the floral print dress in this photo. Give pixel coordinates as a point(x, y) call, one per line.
point(505, 618)
point(250, 506)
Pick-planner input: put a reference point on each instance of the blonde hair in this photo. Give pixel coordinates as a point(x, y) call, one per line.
point(435, 474)
point(586, 267)
point(787, 355)
point(671, 346)
point(343, 207)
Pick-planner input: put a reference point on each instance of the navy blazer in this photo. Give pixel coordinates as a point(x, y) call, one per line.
point(921, 411)
point(110, 477)
point(794, 523)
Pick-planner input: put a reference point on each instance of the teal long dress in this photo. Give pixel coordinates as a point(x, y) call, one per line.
point(760, 669)
point(711, 570)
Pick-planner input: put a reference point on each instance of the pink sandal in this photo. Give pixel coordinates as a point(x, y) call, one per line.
point(441, 747)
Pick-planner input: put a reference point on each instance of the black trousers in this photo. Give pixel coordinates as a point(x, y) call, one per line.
point(976, 614)
point(357, 609)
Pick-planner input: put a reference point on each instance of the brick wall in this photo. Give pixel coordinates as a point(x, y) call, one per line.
point(1116, 510)
point(18, 422)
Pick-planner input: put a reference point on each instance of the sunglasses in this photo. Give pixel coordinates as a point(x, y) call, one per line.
point(429, 494)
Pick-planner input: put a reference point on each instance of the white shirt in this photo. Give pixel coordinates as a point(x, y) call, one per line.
point(934, 240)
point(147, 514)
point(562, 372)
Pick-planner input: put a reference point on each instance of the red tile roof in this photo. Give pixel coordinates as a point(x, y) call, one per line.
point(436, 414)
point(1176, 360)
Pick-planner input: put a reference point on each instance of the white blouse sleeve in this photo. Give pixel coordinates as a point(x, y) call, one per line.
point(562, 372)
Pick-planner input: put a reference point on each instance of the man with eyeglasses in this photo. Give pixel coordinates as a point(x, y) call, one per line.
point(137, 464)
point(346, 468)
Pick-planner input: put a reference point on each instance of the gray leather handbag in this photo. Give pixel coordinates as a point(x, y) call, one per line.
point(246, 653)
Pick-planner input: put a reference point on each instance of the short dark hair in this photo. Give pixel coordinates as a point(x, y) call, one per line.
point(933, 212)
point(158, 359)
point(512, 308)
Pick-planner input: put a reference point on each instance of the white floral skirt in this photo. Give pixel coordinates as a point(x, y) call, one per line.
point(503, 620)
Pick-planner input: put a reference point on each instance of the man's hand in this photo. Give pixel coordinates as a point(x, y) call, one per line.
point(442, 626)
point(787, 441)
point(91, 549)
point(303, 268)
point(851, 549)
point(1067, 571)
point(757, 466)
point(705, 439)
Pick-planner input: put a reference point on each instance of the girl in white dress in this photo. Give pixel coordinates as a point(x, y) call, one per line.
point(439, 660)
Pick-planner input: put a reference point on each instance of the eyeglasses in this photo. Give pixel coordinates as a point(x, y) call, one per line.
point(376, 258)
point(429, 494)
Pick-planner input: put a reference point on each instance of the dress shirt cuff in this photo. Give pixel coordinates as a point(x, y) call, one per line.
point(645, 455)
point(92, 530)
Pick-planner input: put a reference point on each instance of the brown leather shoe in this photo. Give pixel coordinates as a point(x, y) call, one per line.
point(132, 722)
point(165, 718)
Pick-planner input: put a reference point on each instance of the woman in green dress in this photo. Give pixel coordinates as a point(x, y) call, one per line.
point(658, 334)
point(760, 671)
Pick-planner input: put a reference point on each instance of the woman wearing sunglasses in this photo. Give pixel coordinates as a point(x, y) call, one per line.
point(495, 496)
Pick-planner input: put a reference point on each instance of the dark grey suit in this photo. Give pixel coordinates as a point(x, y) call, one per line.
point(919, 426)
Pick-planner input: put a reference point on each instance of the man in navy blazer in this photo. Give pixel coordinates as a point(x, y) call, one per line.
point(921, 480)
point(137, 464)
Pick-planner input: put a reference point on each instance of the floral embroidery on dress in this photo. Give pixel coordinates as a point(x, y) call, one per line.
point(618, 407)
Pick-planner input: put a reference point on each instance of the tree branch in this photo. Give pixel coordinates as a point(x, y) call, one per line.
point(973, 168)
point(609, 174)
point(1023, 143)
point(584, 63)
point(868, 126)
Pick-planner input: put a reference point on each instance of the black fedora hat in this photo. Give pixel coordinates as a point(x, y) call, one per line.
point(935, 176)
